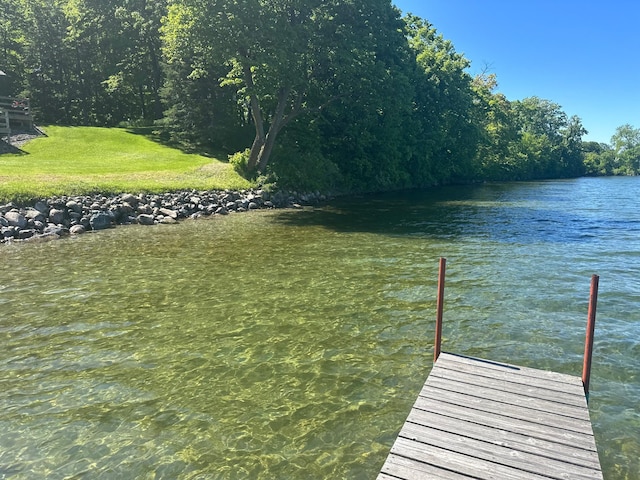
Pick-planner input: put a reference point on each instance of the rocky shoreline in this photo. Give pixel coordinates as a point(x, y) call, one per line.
point(74, 215)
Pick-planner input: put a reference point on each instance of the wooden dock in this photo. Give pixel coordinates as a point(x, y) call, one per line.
point(479, 419)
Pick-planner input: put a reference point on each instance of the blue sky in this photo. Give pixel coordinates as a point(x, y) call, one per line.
point(583, 55)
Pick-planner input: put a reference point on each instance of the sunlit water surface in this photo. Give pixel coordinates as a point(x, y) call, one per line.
point(291, 344)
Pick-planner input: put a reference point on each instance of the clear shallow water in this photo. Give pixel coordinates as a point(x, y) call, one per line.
point(291, 344)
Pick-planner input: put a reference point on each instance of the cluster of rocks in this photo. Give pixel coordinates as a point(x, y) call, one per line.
point(73, 215)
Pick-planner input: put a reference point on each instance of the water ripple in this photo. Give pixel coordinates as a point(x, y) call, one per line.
point(291, 344)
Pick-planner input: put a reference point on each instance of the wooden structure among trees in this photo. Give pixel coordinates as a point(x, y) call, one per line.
point(14, 112)
point(5, 129)
point(481, 419)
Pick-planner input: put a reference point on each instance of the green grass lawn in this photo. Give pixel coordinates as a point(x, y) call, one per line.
point(86, 160)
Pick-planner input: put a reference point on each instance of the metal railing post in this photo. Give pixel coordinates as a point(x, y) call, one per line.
point(588, 343)
point(439, 308)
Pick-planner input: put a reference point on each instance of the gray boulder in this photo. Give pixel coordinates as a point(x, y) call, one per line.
point(75, 217)
point(6, 207)
point(35, 215)
point(56, 216)
point(42, 207)
point(74, 206)
point(126, 209)
point(24, 234)
point(100, 221)
point(130, 199)
point(145, 219)
point(16, 219)
point(56, 229)
point(8, 232)
point(145, 209)
point(168, 213)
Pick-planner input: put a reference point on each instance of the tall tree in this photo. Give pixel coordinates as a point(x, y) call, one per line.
point(572, 157)
point(137, 76)
point(495, 159)
point(12, 42)
point(626, 145)
point(444, 105)
point(287, 58)
point(368, 131)
point(265, 46)
point(200, 112)
point(48, 61)
point(550, 142)
point(92, 61)
point(599, 159)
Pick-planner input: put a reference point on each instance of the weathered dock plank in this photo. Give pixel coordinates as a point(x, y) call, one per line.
point(511, 383)
point(480, 419)
point(522, 372)
point(481, 393)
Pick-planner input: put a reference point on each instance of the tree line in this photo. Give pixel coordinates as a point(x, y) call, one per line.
point(313, 94)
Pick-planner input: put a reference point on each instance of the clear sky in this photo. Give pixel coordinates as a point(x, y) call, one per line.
point(581, 54)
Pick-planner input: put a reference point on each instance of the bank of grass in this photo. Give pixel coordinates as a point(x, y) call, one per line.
point(88, 160)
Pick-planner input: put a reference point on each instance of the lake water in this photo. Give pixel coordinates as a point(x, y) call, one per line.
point(292, 344)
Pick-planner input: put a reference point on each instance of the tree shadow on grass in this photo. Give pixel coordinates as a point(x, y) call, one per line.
point(163, 137)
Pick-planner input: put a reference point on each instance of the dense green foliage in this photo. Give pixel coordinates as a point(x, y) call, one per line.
point(622, 157)
point(314, 94)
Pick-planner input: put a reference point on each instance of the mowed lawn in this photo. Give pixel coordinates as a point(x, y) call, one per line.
point(87, 160)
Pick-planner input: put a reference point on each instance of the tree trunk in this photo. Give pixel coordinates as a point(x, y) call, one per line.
point(156, 80)
point(263, 143)
point(259, 140)
point(275, 127)
point(143, 104)
point(256, 114)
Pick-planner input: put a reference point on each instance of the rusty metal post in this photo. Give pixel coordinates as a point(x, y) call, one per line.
point(439, 308)
point(588, 343)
